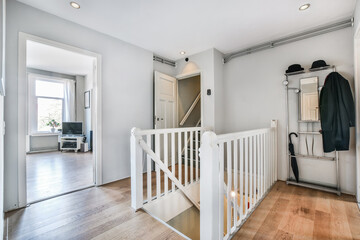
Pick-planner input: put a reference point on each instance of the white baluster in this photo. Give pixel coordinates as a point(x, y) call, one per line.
point(264, 163)
point(229, 185)
point(261, 165)
point(173, 158)
point(166, 162)
point(251, 159)
point(258, 166)
point(221, 188)
point(157, 169)
point(254, 173)
point(241, 178)
point(179, 157)
point(191, 157)
point(186, 158)
point(148, 166)
point(197, 155)
point(235, 142)
point(246, 174)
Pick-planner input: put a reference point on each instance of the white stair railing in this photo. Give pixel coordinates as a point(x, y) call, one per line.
point(168, 145)
point(240, 169)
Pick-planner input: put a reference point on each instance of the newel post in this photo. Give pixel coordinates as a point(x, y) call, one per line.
point(274, 126)
point(136, 171)
point(209, 188)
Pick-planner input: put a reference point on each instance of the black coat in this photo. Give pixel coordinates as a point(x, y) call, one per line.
point(337, 113)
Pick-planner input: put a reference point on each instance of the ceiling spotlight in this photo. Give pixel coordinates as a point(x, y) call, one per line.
point(182, 52)
point(304, 7)
point(75, 5)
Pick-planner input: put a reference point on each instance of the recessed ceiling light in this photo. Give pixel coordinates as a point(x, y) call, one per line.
point(75, 5)
point(182, 52)
point(304, 7)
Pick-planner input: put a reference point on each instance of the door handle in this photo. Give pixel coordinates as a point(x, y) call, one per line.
point(159, 119)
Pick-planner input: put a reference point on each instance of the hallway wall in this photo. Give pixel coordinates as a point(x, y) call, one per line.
point(210, 64)
point(254, 94)
point(124, 89)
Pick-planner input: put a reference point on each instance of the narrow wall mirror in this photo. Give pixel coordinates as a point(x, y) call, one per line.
point(309, 99)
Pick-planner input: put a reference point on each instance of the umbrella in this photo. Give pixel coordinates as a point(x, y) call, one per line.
point(294, 165)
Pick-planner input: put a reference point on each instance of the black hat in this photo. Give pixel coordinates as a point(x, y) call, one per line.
point(319, 64)
point(294, 68)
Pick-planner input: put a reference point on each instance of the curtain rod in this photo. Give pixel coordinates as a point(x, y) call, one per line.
point(164, 60)
point(292, 38)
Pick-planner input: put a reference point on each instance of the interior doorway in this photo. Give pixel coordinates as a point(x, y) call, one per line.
point(189, 101)
point(177, 101)
point(60, 127)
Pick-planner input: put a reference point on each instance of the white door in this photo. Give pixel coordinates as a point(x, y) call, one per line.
point(165, 101)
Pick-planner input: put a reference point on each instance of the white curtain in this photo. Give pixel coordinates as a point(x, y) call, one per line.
point(69, 101)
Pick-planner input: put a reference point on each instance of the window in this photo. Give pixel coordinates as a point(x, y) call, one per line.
point(49, 100)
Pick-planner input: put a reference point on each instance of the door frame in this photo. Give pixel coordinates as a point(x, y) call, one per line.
point(23, 114)
point(357, 107)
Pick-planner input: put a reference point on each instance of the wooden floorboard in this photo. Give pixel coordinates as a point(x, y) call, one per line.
point(51, 173)
point(292, 212)
point(95, 213)
point(288, 212)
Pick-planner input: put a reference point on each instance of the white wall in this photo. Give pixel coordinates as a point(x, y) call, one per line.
point(219, 91)
point(164, 68)
point(126, 96)
point(208, 62)
point(357, 91)
point(1, 165)
point(254, 94)
point(2, 75)
point(357, 16)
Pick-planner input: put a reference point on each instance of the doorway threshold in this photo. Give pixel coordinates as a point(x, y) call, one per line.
point(59, 195)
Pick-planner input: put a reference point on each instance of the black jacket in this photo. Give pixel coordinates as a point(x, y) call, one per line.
point(337, 113)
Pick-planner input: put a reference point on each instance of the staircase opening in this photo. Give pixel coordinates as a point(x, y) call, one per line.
point(237, 170)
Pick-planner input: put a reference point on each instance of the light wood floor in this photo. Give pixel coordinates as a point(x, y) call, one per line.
point(291, 212)
point(95, 213)
point(52, 173)
point(288, 212)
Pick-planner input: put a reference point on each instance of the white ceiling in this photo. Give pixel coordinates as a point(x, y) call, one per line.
point(58, 60)
point(167, 27)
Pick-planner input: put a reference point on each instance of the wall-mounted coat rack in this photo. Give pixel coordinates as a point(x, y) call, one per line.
point(307, 123)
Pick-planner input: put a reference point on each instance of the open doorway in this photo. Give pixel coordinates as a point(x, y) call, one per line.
point(60, 121)
point(189, 101)
point(177, 101)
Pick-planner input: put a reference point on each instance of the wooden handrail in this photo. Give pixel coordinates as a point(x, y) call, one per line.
point(197, 99)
